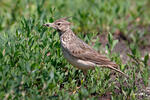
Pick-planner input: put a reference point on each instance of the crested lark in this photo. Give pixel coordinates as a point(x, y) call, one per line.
point(77, 52)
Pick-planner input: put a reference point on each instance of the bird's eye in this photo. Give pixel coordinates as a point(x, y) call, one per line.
point(58, 24)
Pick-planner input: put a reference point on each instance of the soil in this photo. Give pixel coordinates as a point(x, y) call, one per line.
point(122, 46)
point(123, 49)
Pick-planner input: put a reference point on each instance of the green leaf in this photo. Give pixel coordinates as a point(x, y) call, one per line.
point(110, 38)
point(114, 44)
point(1, 55)
point(146, 58)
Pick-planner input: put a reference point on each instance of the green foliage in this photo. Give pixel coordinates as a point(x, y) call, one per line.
point(31, 61)
point(111, 43)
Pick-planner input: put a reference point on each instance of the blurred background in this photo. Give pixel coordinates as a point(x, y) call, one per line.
point(31, 62)
point(93, 15)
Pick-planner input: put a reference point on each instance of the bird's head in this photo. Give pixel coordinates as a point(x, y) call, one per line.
point(60, 25)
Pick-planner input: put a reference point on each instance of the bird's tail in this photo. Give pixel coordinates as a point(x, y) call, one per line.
point(113, 66)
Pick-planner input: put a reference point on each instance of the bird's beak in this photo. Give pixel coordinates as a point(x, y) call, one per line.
point(49, 25)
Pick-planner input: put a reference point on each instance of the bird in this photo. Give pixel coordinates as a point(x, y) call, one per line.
point(77, 52)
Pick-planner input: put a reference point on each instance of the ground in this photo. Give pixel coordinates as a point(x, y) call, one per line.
point(31, 61)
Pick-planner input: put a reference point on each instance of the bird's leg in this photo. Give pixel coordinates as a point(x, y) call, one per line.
point(85, 74)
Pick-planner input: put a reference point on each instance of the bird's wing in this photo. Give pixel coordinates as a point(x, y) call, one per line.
point(83, 51)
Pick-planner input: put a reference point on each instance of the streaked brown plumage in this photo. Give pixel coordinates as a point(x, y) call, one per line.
point(77, 52)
